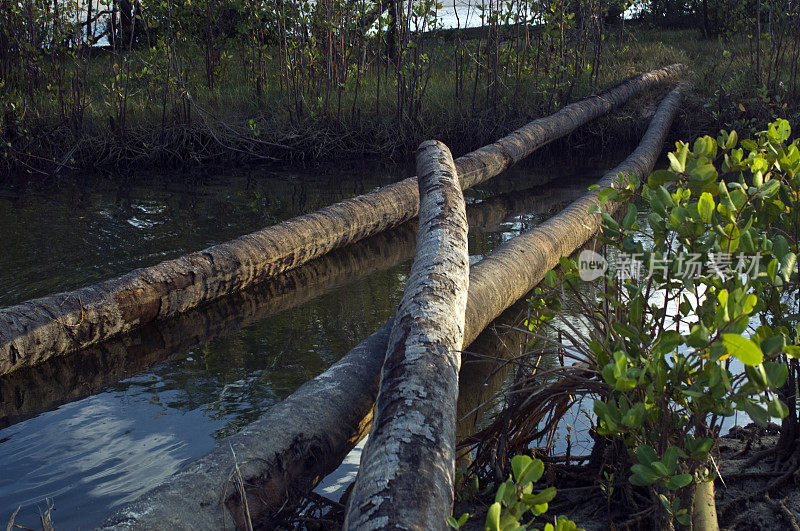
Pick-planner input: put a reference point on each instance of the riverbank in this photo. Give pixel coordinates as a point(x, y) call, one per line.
point(753, 491)
point(232, 124)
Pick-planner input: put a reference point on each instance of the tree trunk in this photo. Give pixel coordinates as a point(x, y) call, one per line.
point(33, 331)
point(407, 469)
point(33, 390)
point(284, 453)
point(126, 22)
point(704, 507)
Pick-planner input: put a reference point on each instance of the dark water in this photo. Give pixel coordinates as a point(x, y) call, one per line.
point(96, 429)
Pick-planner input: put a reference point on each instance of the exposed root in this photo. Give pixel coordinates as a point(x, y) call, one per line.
point(793, 472)
point(780, 505)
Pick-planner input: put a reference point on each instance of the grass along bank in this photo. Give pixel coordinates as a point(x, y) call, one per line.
point(163, 103)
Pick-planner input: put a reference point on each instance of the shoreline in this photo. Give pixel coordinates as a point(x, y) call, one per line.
point(191, 147)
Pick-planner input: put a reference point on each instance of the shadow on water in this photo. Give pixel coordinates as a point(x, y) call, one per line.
point(95, 429)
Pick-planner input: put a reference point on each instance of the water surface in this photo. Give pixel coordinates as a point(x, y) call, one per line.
point(96, 429)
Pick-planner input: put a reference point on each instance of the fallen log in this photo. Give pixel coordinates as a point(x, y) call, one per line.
point(283, 455)
point(407, 468)
point(32, 390)
point(33, 331)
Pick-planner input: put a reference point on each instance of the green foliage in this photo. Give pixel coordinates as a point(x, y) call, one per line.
point(667, 354)
point(515, 500)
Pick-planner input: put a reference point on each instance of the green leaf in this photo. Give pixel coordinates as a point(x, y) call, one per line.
point(533, 471)
point(699, 336)
point(675, 163)
point(703, 173)
point(787, 265)
point(664, 196)
point(779, 130)
point(607, 194)
point(659, 468)
point(705, 207)
point(645, 454)
point(772, 269)
point(777, 408)
point(659, 177)
point(642, 475)
point(493, 518)
point(671, 459)
point(749, 145)
point(793, 351)
point(699, 448)
point(769, 189)
point(679, 481)
point(742, 348)
point(757, 412)
point(630, 216)
point(501, 492)
point(563, 524)
point(539, 498)
point(667, 342)
point(733, 138)
point(518, 465)
point(774, 344)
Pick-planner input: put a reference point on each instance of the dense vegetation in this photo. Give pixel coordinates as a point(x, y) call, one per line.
point(696, 320)
point(104, 83)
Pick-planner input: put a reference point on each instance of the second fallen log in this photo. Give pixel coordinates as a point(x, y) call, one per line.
point(408, 465)
point(36, 330)
point(284, 453)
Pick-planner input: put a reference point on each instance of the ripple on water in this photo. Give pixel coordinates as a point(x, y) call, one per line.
point(95, 454)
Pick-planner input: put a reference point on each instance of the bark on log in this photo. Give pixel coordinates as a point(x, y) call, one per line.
point(292, 446)
point(33, 390)
point(33, 331)
point(407, 470)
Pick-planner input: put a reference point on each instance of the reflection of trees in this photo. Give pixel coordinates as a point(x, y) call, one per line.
point(75, 235)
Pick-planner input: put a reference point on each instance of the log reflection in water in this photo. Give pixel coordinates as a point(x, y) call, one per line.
point(30, 391)
point(485, 367)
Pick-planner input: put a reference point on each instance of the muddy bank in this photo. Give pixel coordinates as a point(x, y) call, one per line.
point(757, 489)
